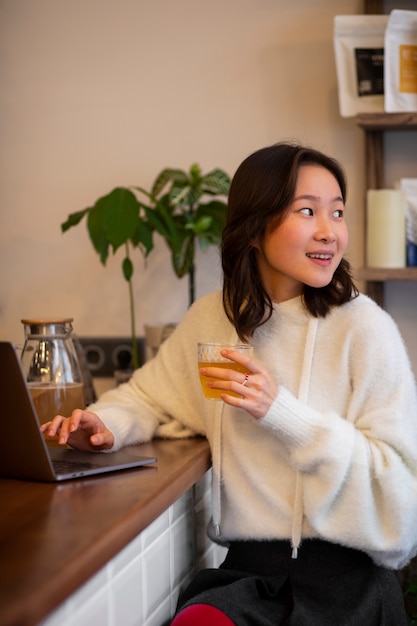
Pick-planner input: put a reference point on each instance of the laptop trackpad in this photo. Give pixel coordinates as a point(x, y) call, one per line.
point(66, 460)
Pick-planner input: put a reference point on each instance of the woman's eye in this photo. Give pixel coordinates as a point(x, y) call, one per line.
point(306, 211)
point(338, 213)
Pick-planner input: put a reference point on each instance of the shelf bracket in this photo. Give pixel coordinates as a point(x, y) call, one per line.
point(374, 154)
point(375, 290)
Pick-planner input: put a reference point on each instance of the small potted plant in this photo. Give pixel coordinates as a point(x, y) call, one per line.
point(116, 220)
point(185, 208)
point(176, 207)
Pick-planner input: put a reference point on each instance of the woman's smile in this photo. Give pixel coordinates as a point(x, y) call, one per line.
point(321, 258)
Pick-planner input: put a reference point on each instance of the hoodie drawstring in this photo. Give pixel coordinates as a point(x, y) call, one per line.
point(303, 391)
point(216, 462)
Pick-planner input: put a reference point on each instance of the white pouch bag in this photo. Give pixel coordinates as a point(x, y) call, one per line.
point(359, 55)
point(400, 67)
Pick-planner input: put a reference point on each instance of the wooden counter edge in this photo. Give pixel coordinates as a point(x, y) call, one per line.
point(38, 606)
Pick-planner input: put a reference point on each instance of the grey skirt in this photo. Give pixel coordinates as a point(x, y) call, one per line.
point(259, 584)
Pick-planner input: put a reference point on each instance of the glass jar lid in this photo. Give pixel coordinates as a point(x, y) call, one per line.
point(48, 327)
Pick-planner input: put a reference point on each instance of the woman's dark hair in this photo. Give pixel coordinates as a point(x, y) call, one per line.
point(261, 191)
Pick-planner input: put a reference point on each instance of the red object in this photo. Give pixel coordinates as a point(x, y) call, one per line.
point(201, 615)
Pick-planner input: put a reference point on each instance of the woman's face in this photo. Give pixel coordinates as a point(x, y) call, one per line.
point(307, 247)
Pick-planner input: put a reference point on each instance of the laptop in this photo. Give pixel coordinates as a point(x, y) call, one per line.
point(24, 452)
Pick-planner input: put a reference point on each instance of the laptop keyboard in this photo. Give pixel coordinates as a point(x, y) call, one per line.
point(67, 466)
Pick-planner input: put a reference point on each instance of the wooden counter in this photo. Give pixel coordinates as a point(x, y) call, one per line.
point(53, 537)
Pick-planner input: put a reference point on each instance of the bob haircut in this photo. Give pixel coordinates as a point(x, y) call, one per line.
point(260, 194)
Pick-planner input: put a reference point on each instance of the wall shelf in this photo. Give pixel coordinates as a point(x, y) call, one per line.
point(387, 121)
point(374, 126)
point(380, 274)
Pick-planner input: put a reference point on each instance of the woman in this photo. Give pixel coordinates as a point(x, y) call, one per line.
point(315, 461)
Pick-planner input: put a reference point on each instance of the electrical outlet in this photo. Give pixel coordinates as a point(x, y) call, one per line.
point(104, 355)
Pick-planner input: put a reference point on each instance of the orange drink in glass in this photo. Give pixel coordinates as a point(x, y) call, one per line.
point(209, 356)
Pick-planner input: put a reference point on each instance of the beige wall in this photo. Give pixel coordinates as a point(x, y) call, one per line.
point(100, 93)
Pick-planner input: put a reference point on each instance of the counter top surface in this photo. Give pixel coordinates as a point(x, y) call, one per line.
point(53, 537)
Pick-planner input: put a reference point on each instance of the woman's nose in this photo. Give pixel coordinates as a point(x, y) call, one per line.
point(325, 232)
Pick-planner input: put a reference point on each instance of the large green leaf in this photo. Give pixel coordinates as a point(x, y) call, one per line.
point(183, 255)
point(74, 219)
point(119, 212)
point(216, 210)
point(97, 234)
point(164, 223)
point(157, 222)
point(169, 176)
point(216, 182)
point(185, 197)
point(169, 226)
point(164, 204)
point(199, 225)
point(127, 268)
point(143, 237)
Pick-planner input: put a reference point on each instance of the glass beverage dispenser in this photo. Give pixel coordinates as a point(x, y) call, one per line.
point(51, 367)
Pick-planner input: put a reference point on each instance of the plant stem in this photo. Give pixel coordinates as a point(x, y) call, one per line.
point(135, 359)
point(191, 286)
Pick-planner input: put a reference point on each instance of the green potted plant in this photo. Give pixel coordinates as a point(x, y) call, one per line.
point(116, 220)
point(183, 207)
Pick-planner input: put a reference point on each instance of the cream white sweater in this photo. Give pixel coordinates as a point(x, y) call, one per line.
point(336, 455)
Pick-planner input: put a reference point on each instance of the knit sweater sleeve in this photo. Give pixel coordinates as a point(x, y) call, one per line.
point(164, 397)
point(359, 469)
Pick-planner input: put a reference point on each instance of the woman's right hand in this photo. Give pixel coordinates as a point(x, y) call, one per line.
point(82, 430)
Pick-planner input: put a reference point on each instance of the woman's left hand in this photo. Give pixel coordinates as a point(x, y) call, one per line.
point(256, 390)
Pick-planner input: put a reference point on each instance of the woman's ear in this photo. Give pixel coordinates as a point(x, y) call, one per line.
point(254, 243)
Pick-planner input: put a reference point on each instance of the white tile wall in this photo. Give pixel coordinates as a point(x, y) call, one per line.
point(141, 584)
